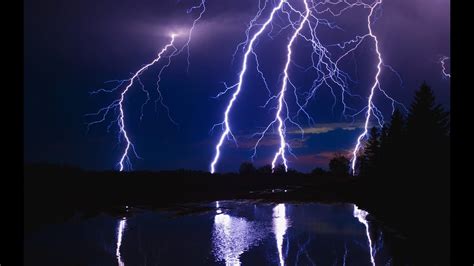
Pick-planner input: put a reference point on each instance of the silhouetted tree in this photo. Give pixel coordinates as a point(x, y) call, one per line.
point(279, 169)
point(265, 170)
point(318, 171)
point(382, 153)
point(396, 129)
point(292, 171)
point(339, 165)
point(247, 168)
point(393, 147)
point(428, 139)
point(413, 159)
point(411, 154)
point(371, 153)
point(427, 116)
point(425, 163)
point(362, 165)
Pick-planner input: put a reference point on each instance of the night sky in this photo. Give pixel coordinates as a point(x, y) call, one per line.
point(72, 47)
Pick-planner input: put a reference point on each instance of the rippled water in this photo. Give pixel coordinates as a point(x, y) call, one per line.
point(227, 233)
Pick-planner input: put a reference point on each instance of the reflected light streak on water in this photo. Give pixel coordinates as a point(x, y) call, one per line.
point(232, 236)
point(280, 224)
point(232, 233)
point(361, 215)
point(224, 241)
point(345, 255)
point(121, 228)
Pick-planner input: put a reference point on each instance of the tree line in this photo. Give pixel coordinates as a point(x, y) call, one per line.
point(417, 144)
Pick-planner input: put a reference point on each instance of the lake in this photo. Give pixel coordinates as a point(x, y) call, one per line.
point(214, 233)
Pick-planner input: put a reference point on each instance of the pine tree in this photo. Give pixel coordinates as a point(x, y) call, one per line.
point(384, 152)
point(426, 191)
point(428, 140)
point(339, 165)
point(394, 145)
point(427, 120)
point(371, 154)
point(397, 127)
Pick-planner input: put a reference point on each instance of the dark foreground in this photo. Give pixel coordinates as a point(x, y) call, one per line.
point(417, 218)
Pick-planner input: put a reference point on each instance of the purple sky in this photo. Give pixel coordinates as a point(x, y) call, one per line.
point(72, 47)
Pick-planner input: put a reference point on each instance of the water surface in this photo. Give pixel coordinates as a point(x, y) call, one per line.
point(224, 233)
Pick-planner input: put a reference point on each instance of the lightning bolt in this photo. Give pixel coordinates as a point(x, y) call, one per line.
point(227, 131)
point(281, 128)
point(328, 73)
point(281, 96)
point(323, 64)
point(186, 46)
point(201, 6)
point(250, 26)
point(118, 104)
point(375, 85)
point(370, 108)
point(327, 69)
point(361, 216)
point(442, 61)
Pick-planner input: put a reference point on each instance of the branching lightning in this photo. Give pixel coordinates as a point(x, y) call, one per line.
point(301, 19)
point(118, 104)
point(202, 7)
point(375, 85)
point(325, 65)
point(281, 96)
point(226, 123)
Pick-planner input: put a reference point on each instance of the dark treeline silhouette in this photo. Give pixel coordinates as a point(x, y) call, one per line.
point(54, 194)
point(405, 166)
point(402, 179)
point(415, 145)
point(339, 165)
